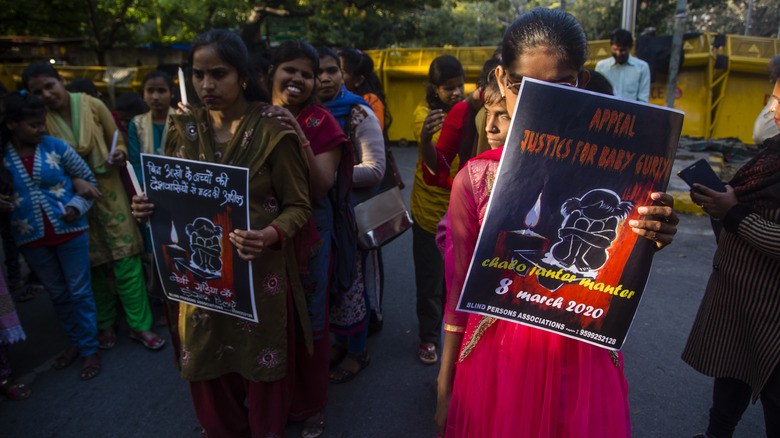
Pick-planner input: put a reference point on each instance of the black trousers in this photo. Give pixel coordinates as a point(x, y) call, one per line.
point(730, 399)
point(13, 268)
point(429, 276)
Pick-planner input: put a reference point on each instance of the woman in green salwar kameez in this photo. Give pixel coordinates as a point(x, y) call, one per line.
point(238, 370)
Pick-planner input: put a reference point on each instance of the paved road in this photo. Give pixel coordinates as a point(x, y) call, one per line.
point(139, 393)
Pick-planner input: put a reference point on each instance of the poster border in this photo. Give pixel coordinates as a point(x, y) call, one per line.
point(620, 342)
point(148, 224)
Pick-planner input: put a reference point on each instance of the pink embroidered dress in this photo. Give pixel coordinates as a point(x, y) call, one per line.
point(512, 380)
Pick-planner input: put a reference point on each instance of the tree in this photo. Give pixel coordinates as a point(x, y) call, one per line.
point(362, 23)
point(104, 22)
point(365, 24)
point(260, 12)
point(55, 18)
point(731, 17)
point(473, 23)
point(113, 21)
point(598, 17)
point(182, 20)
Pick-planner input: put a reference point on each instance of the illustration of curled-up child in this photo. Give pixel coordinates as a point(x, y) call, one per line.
point(589, 227)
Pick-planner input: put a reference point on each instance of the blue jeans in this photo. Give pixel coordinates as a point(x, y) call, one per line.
point(64, 271)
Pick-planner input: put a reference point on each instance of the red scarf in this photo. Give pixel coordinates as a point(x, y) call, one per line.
point(757, 183)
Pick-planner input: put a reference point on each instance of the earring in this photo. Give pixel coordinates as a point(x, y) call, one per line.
point(244, 85)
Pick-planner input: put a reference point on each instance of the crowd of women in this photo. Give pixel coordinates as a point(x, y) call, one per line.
point(309, 125)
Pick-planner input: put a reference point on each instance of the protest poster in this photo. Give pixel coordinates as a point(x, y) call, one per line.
point(555, 250)
point(196, 206)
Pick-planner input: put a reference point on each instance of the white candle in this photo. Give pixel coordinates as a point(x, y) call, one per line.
point(182, 87)
point(62, 208)
point(133, 178)
point(113, 145)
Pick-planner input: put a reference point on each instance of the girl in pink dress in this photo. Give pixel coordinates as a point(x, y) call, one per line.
point(501, 379)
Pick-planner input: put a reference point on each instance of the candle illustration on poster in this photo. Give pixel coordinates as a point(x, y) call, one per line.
point(173, 252)
point(527, 244)
point(527, 239)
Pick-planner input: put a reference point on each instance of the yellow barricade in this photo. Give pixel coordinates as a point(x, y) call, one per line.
point(111, 81)
point(404, 74)
point(746, 89)
point(718, 102)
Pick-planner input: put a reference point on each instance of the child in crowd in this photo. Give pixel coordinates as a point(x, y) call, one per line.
point(146, 133)
point(461, 133)
point(128, 105)
point(49, 222)
point(429, 203)
point(357, 69)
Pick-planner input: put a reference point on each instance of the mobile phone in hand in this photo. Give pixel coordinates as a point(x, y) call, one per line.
point(700, 172)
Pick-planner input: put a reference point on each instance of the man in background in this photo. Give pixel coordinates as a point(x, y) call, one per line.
point(629, 76)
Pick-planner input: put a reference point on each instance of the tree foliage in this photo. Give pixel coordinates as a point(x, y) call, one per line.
point(177, 21)
point(732, 17)
point(56, 18)
point(109, 24)
point(599, 17)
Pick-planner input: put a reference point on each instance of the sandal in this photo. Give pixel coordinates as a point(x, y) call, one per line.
point(338, 352)
point(90, 367)
point(15, 390)
point(31, 292)
point(107, 337)
point(66, 358)
point(343, 375)
point(313, 426)
point(14, 286)
point(155, 343)
point(426, 352)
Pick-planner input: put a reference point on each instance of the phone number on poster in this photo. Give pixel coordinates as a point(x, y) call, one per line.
point(597, 337)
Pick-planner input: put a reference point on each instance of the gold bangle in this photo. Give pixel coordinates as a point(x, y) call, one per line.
point(454, 328)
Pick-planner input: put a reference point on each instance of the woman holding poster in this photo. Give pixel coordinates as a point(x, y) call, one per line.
point(736, 335)
point(230, 361)
point(544, 384)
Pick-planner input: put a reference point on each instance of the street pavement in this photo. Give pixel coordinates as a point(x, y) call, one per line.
point(139, 393)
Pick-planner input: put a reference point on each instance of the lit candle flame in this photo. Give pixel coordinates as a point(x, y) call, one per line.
point(532, 218)
point(174, 235)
